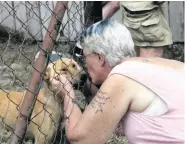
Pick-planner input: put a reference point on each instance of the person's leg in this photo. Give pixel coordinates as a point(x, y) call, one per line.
point(150, 31)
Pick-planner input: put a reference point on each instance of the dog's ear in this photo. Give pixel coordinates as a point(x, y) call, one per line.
point(47, 74)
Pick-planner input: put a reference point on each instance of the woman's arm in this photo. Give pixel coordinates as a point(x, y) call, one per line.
point(110, 8)
point(102, 115)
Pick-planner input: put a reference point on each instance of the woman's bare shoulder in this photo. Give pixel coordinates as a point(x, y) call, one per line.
point(168, 63)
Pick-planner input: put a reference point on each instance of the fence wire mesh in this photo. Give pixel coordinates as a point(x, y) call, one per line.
point(23, 26)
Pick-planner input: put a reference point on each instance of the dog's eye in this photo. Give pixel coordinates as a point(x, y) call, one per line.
point(64, 69)
point(73, 65)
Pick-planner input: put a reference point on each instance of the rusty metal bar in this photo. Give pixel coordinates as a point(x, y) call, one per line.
point(39, 68)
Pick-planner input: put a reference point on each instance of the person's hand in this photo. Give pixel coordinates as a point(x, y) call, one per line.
point(61, 85)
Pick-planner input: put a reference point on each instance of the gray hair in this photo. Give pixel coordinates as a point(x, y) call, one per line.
point(110, 38)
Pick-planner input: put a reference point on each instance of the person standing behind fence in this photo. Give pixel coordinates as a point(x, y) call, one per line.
point(147, 24)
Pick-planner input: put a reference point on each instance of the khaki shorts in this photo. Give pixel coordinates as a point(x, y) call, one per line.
point(148, 28)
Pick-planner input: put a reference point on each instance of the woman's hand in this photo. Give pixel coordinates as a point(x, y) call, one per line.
point(61, 84)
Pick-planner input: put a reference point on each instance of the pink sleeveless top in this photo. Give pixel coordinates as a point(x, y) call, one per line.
point(168, 84)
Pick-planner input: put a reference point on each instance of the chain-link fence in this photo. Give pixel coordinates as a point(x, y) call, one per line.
point(28, 109)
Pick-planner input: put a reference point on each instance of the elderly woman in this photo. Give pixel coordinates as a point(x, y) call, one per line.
point(143, 96)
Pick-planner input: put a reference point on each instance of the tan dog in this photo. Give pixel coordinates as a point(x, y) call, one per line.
point(47, 111)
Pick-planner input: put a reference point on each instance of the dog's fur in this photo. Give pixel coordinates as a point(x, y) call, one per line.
point(47, 111)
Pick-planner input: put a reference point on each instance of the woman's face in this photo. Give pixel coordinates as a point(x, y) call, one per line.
point(93, 65)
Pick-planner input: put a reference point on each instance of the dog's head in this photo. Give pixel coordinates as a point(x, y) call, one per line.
point(65, 66)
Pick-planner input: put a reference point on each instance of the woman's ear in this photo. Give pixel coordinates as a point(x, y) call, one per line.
point(101, 59)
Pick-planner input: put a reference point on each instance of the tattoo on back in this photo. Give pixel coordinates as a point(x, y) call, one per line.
point(99, 100)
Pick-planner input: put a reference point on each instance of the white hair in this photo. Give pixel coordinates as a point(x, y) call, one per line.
point(110, 38)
